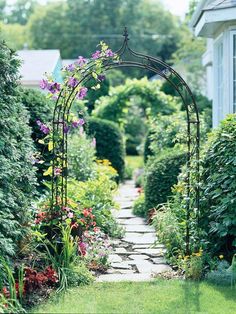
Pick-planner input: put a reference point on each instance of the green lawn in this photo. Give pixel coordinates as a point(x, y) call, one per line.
point(159, 296)
point(134, 162)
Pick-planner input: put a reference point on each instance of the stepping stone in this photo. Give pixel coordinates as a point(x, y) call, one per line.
point(158, 260)
point(139, 257)
point(151, 252)
point(140, 238)
point(120, 271)
point(127, 277)
point(131, 221)
point(114, 258)
point(141, 246)
point(125, 213)
point(122, 265)
point(148, 267)
point(120, 250)
point(140, 228)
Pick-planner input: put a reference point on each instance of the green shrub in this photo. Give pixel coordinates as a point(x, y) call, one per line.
point(161, 175)
point(40, 108)
point(218, 189)
point(109, 143)
point(169, 230)
point(139, 206)
point(17, 176)
point(79, 275)
point(81, 157)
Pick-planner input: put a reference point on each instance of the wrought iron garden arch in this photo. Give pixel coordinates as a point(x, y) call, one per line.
point(152, 64)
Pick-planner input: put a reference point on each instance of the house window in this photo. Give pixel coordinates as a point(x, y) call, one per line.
point(219, 78)
point(234, 71)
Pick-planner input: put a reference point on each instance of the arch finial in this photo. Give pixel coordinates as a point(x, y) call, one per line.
point(125, 34)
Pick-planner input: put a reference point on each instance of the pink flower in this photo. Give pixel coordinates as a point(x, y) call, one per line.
point(70, 215)
point(94, 142)
point(109, 53)
point(96, 54)
point(82, 93)
point(77, 123)
point(81, 61)
point(43, 84)
point(57, 171)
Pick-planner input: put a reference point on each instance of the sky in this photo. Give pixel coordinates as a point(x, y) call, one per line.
point(177, 7)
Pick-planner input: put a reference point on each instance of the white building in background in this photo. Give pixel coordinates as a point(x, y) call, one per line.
point(35, 63)
point(216, 20)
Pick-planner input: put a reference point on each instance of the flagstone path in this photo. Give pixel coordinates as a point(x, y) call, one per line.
point(138, 255)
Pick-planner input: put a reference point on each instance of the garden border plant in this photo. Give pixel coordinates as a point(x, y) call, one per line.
point(84, 72)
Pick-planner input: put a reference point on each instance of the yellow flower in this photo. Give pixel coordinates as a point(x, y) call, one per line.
point(221, 256)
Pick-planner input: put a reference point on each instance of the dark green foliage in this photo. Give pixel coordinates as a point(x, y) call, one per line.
point(147, 150)
point(109, 143)
point(218, 206)
point(161, 175)
point(40, 108)
point(17, 176)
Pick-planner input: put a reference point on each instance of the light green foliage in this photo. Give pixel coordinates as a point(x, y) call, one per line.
point(79, 276)
point(148, 98)
point(17, 176)
point(20, 11)
point(158, 296)
point(98, 194)
point(15, 35)
point(170, 231)
point(81, 157)
point(218, 177)
point(139, 206)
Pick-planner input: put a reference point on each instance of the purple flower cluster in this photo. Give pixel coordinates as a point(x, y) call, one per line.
point(72, 82)
point(43, 128)
point(70, 67)
point(78, 123)
point(52, 87)
point(101, 77)
point(82, 93)
point(81, 61)
point(109, 53)
point(96, 54)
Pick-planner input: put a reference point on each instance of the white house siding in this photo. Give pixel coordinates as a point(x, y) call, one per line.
point(216, 20)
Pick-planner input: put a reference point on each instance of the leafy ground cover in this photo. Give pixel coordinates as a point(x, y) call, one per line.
point(159, 296)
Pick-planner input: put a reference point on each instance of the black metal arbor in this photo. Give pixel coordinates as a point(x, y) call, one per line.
point(152, 64)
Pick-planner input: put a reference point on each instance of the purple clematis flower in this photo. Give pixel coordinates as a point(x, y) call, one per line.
point(43, 84)
point(66, 128)
point(70, 67)
point(77, 123)
point(101, 77)
point(82, 93)
point(109, 53)
point(43, 128)
point(54, 87)
point(96, 54)
point(72, 81)
point(81, 61)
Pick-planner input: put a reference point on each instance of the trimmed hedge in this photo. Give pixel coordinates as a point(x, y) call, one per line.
point(161, 174)
point(40, 108)
point(218, 189)
point(109, 143)
point(17, 175)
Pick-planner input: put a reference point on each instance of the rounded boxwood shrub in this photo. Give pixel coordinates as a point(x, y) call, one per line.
point(161, 174)
point(218, 183)
point(40, 108)
point(109, 143)
point(17, 175)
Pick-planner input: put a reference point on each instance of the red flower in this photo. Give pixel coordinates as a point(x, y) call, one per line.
point(5, 292)
point(86, 212)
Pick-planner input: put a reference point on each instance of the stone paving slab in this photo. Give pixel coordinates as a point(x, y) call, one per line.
point(140, 228)
point(151, 252)
point(131, 221)
point(140, 238)
point(128, 277)
point(125, 214)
